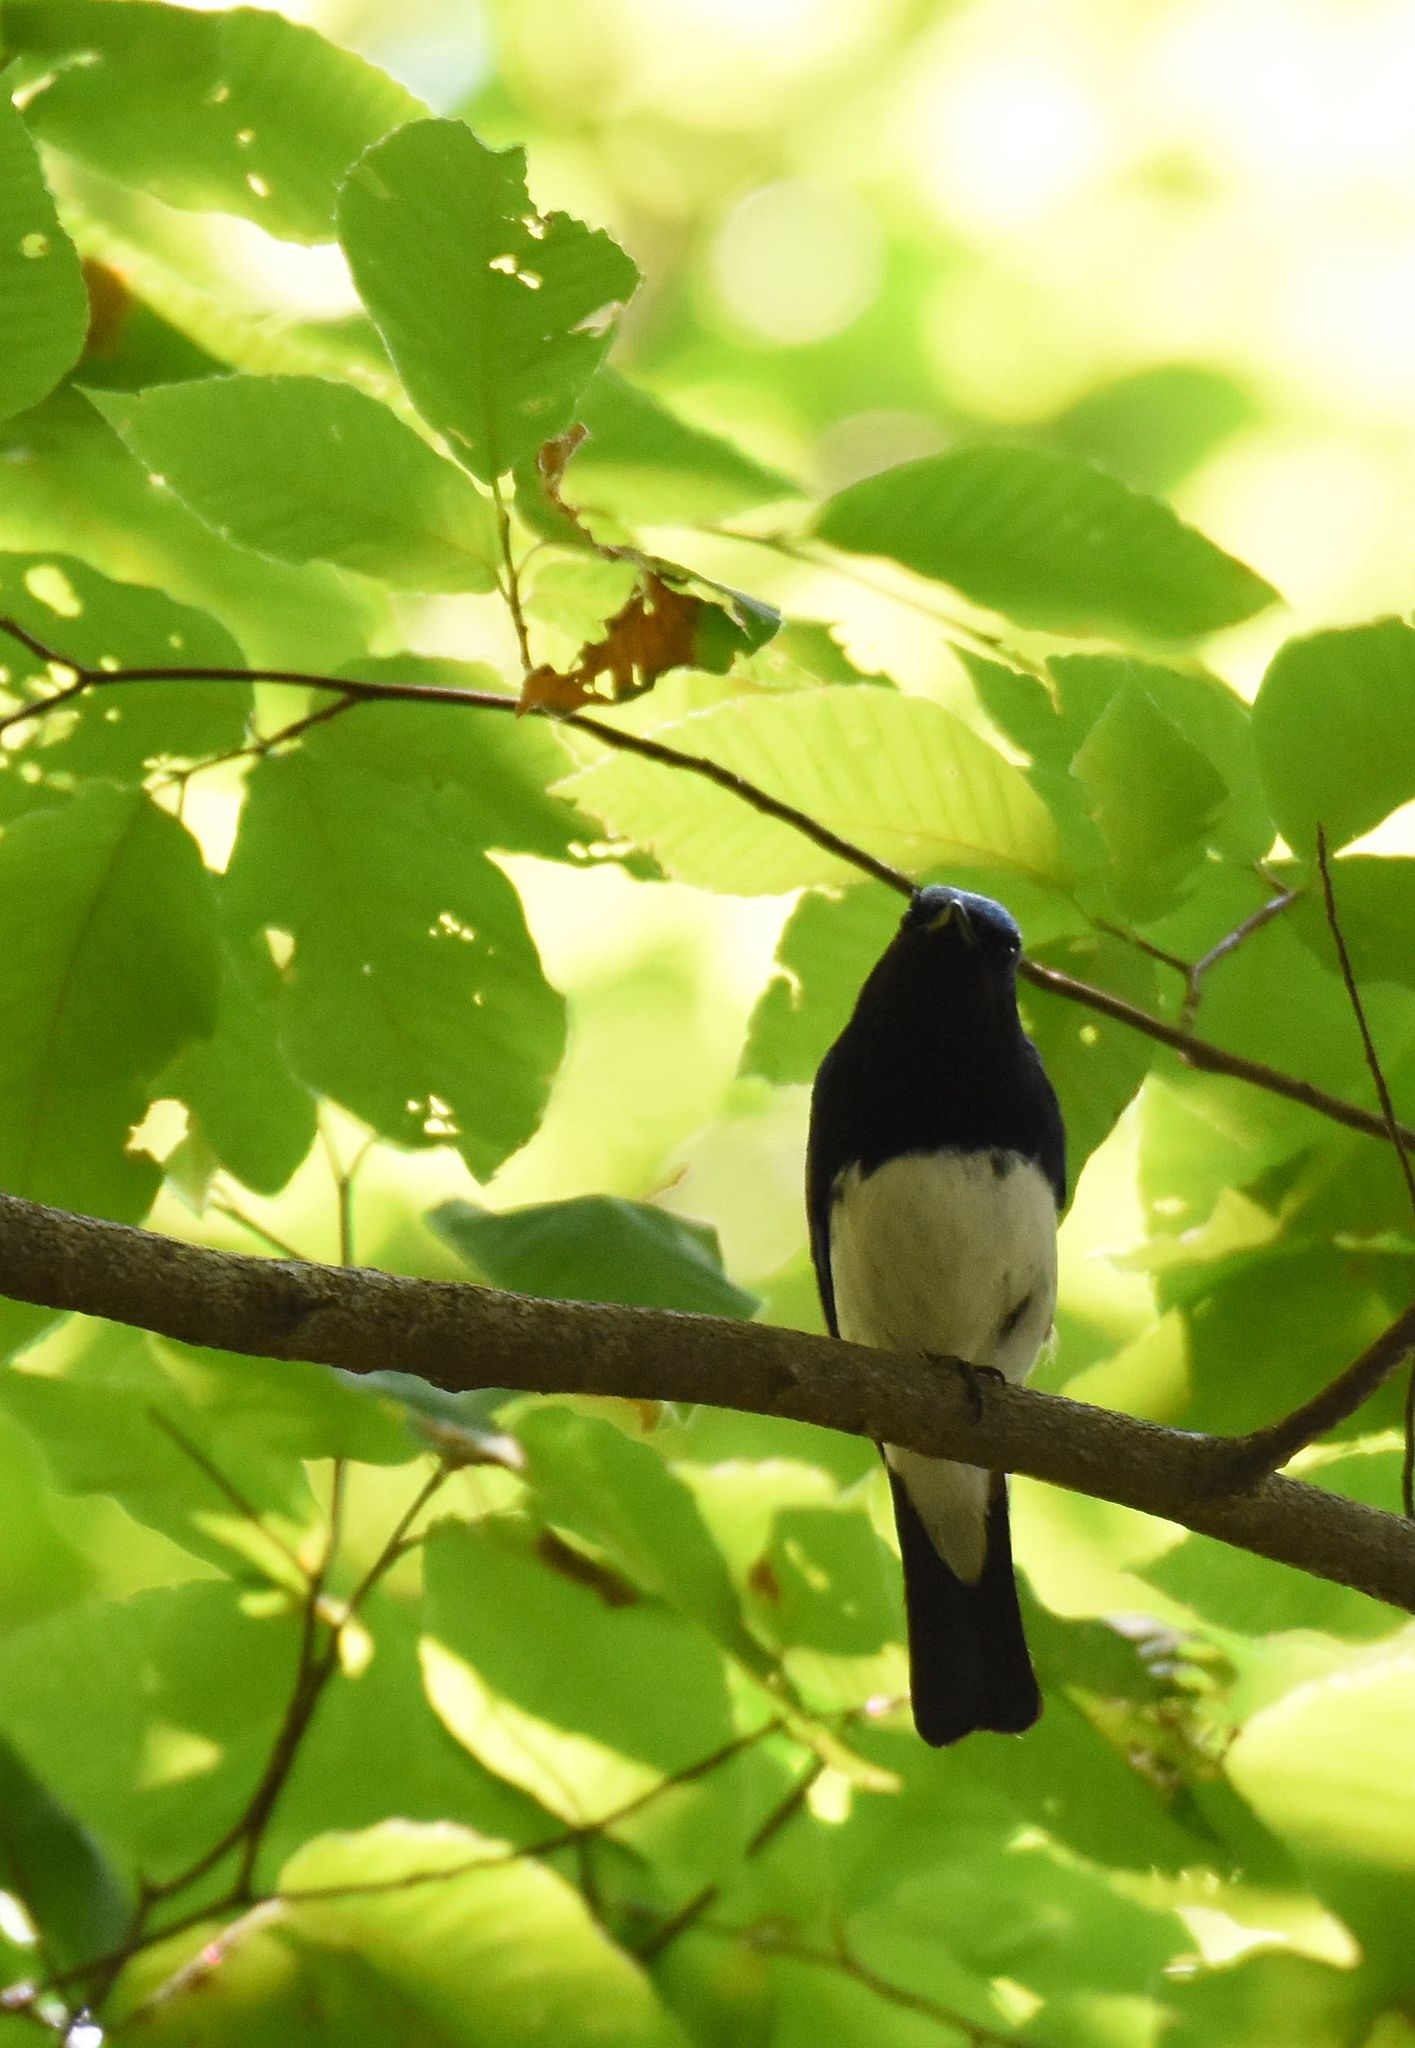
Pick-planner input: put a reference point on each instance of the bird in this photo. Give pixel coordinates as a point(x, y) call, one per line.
point(935, 1178)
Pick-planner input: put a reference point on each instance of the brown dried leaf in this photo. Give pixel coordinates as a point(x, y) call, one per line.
point(655, 631)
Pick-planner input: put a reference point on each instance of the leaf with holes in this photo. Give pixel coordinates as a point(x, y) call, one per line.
point(119, 733)
point(495, 315)
point(239, 110)
point(106, 931)
point(43, 304)
point(414, 995)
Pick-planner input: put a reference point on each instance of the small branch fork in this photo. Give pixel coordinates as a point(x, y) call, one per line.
point(1196, 1052)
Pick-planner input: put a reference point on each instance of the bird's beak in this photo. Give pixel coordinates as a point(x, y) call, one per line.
point(951, 910)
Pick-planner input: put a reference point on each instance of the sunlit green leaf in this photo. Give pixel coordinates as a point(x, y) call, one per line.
point(1334, 725)
point(897, 775)
point(645, 462)
point(438, 1951)
point(111, 967)
point(495, 315)
point(1153, 795)
point(644, 1694)
point(182, 1740)
point(120, 733)
point(43, 304)
point(123, 1420)
point(1096, 1066)
point(1050, 541)
point(617, 1493)
point(246, 1106)
point(307, 470)
point(1328, 1767)
point(237, 110)
point(1375, 907)
point(69, 482)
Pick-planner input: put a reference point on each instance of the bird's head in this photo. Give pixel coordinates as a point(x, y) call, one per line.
point(974, 934)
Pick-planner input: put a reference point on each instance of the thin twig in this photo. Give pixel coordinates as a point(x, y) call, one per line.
point(1194, 976)
point(344, 1179)
point(1209, 1058)
point(990, 645)
point(1268, 1449)
point(1393, 1127)
point(1197, 1052)
point(770, 1939)
point(548, 1845)
point(511, 578)
point(222, 1206)
point(693, 1909)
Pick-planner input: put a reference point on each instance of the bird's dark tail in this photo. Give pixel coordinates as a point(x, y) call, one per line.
point(968, 1661)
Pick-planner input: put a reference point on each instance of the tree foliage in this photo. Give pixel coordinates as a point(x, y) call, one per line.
point(335, 1709)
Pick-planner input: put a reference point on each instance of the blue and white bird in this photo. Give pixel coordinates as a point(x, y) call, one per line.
point(935, 1175)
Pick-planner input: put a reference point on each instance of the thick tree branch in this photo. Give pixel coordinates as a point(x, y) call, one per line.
point(461, 1336)
point(1197, 1052)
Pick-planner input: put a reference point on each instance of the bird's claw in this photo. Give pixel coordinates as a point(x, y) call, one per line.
point(972, 1374)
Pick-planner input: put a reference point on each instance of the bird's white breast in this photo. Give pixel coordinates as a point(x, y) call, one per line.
point(939, 1251)
point(952, 1253)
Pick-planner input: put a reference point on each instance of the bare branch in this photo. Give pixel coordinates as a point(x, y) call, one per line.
point(460, 1336)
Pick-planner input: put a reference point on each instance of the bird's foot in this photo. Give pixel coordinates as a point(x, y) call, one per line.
point(973, 1375)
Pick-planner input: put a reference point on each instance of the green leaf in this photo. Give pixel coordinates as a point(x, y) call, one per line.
point(68, 478)
point(126, 1420)
point(110, 968)
point(619, 1495)
point(500, 766)
point(245, 1105)
point(414, 995)
point(1096, 1066)
point(1154, 426)
point(1334, 725)
point(897, 775)
point(54, 1866)
point(149, 1718)
point(1211, 718)
point(1050, 541)
point(437, 1938)
point(1330, 1768)
point(1152, 794)
point(305, 470)
point(647, 463)
point(118, 733)
point(43, 304)
point(496, 316)
point(643, 1695)
point(1252, 1596)
point(1375, 907)
point(239, 111)
point(596, 1248)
